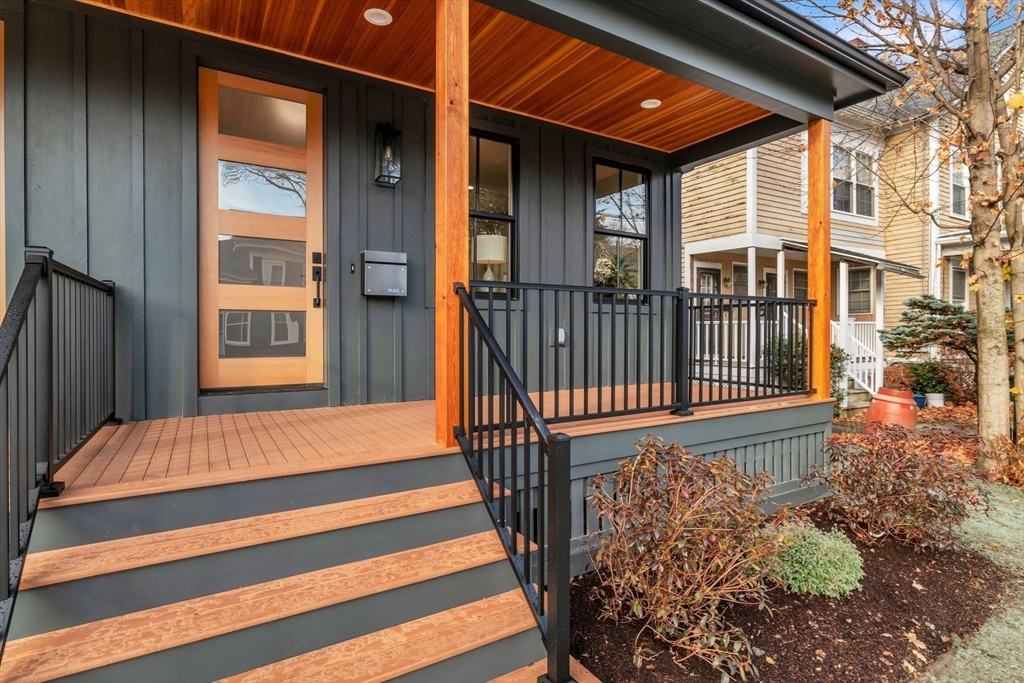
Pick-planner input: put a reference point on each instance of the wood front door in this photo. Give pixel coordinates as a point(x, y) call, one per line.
point(260, 233)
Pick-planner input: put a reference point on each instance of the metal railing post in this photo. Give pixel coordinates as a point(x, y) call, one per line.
point(559, 576)
point(111, 378)
point(682, 352)
point(44, 388)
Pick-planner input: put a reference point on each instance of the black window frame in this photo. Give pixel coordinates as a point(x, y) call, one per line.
point(511, 219)
point(644, 274)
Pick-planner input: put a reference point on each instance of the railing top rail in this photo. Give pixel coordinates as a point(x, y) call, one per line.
point(748, 297)
point(530, 411)
point(492, 284)
point(70, 272)
point(17, 310)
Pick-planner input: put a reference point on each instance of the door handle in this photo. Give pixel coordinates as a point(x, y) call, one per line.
point(318, 276)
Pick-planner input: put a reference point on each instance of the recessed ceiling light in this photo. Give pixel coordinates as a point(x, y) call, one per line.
point(650, 104)
point(377, 16)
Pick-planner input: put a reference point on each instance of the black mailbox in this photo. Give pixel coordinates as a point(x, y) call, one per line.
point(385, 273)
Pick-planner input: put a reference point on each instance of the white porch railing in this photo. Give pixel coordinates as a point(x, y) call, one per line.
point(867, 361)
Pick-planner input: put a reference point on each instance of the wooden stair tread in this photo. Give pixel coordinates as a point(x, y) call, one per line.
point(89, 646)
point(78, 562)
point(179, 483)
point(396, 651)
point(530, 673)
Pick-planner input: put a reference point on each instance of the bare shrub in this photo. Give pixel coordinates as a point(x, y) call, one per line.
point(687, 538)
point(892, 483)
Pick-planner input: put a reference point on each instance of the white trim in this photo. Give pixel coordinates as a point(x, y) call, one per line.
point(764, 277)
point(751, 268)
point(967, 288)
point(751, 191)
point(707, 265)
point(731, 242)
point(934, 169)
point(871, 290)
point(966, 216)
point(782, 279)
point(792, 289)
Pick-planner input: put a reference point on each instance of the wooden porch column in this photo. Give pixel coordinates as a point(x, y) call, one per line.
point(819, 249)
point(451, 205)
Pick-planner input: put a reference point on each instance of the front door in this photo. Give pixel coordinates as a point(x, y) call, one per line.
point(260, 233)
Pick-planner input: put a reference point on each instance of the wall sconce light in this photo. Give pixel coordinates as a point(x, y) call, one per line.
point(387, 155)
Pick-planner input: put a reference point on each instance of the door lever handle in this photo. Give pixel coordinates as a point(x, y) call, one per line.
point(318, 276)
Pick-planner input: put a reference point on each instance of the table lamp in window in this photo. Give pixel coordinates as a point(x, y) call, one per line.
point(490, 250)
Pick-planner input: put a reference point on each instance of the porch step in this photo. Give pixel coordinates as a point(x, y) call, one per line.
point(388, 654)
point(79, 562)
point(277, 575)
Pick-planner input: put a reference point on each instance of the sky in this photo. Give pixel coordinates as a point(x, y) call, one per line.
point(954, 9)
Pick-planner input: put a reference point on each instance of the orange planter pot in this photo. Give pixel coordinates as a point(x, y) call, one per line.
point(892, 407)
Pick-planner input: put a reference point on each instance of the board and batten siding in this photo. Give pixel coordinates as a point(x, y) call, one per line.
point(101, 115)
point(786, 443)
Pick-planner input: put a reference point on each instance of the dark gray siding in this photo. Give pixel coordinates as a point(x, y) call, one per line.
point(101, 115)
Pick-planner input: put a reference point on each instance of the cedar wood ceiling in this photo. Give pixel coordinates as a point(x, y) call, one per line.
point(513, 64)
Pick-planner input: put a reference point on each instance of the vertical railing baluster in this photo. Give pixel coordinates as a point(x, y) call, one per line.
point(6, 482)
point(557, 350)
point(25, 474)
point(571, 341)
point(600, 353)
point(625, 350)
point(542, 360)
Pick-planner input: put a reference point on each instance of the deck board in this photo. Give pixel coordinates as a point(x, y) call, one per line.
point(171, 454)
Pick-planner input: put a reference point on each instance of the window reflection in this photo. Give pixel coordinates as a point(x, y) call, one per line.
point(257, 261)
point(247, 114)
point(261, 189)
point(491, 209)
point(620, 227)
point(262, 334)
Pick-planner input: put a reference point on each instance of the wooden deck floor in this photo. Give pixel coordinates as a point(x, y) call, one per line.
point(153, 456)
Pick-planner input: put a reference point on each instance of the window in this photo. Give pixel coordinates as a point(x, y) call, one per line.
point(799, 284)
point(620, 227)
point(958, 287)
point(853, 182)
point(236, 327)
point(958, 185)
point(739, 279)
point(283, 329)
point(492, 207)
point(771, 283)
point(860, 290)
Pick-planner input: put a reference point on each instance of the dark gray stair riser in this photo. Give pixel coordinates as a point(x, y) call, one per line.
point(77, 602)
point(261, 645)
point(126, 517)
point(485, 663)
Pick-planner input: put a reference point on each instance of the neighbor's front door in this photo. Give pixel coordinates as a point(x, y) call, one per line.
point(260, 233)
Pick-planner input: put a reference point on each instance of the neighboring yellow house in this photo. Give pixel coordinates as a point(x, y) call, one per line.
point(745, 232)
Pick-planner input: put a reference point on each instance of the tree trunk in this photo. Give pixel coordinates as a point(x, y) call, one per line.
point(1017, 308)
point(993, 368)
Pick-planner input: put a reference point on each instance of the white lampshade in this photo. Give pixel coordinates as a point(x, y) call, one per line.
point(491, 249)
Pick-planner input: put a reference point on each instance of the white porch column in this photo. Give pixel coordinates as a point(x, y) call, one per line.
point(780, 273)
point(686, 268)
point(844, 309)
point(751, 271)
point(879, 326)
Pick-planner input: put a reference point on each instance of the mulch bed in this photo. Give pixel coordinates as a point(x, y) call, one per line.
point(913, 607)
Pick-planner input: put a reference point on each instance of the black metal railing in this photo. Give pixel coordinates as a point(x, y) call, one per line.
point(586, 352)
point(523, 471)
point(742, 348)
point(591, 352)
point(56, 389)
